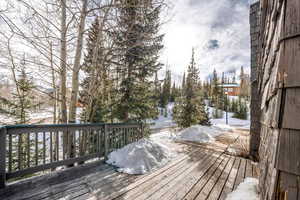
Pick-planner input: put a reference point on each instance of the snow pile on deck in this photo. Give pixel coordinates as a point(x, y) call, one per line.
point(140, 157)
point(202, 134)
point(246, 190)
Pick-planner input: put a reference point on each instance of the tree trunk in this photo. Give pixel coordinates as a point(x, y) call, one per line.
point(63, 75)
point(63, 64)
point(76, 67)
point(54, 97)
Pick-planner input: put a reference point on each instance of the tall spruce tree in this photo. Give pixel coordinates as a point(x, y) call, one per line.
point(241, 109)
point(138, 44)
point(166, 90)
point(174, 93)
point(19, 108)
point(23, 100)
point(190, 108)
point(96, 85)
point(183, 82)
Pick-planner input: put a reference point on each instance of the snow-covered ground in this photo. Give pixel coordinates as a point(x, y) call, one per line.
point(247, 190)
point(232, 122)
point(165, 122)
point(162, 121)
point(152, 153)
point(34, 116)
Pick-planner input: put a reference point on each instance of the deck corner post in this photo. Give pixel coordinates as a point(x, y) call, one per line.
point(106, 140)
point(3, 132)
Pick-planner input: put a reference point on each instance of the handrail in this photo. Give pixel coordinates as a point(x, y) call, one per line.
point(27, 149)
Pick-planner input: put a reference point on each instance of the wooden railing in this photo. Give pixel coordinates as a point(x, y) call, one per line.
point(27, 149)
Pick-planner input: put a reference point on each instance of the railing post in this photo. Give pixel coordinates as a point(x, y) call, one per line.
point(3, 132)
point(106, 140)
point(142, 131)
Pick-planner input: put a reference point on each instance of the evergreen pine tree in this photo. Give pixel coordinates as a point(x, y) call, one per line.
point(23, 99)
point(190, 108)
point(96, 85)
point(173, 93)
point(138, 44)
point(166, 90)
point(19, 108)
point(241, 110)
point(183, 83)
point(215, 88)
point(217, 96)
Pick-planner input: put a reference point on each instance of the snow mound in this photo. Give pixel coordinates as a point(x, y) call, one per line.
point(164, 121)
point(140, 157)
point(247, 190)
point(201, 134)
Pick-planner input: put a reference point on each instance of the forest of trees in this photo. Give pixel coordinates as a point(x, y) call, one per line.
point(99, 55)
point(101, 59)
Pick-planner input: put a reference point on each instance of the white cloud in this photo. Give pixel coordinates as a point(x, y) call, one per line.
point(196, 23)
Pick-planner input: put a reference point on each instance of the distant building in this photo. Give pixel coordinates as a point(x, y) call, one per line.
point(233, 89)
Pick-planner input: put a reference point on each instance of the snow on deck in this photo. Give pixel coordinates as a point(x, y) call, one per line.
point(198, 172)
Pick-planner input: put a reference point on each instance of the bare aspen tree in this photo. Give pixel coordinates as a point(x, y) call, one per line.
point(63, 65)
point(76, 67)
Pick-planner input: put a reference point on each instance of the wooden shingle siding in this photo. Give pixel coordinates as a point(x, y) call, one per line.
point(255, 97)
point(291, 113)
point(279, 87)
point(288, 151)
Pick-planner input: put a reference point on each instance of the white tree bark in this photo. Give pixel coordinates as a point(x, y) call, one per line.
point(76, 67)
point(63, 64)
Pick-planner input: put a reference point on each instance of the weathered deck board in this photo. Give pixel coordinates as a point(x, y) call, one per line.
point(219, 185)
point(230, 179)
point(168, 191)
point(196, 189)
point(206, 191)
point(241, 173)
point(200, 174)
point(165, 185)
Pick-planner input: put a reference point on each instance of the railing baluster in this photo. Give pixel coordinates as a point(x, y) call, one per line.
point(74, 143)
point(57, 145)
point(63, 145)
point(51, 148)
point(89, 141)
point(10, 153)
point(19, 151)
point(36, 149)
point(28, 149)
point(44, 147)
point(98, 140)
point(106, 140)
point(3, 133)
point(94, 141)
point(69, 144)
point(80, 142)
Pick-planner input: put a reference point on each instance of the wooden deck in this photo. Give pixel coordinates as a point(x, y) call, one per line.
point(202, 173)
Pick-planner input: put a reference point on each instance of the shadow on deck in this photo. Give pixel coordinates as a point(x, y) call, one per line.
point(203, 172)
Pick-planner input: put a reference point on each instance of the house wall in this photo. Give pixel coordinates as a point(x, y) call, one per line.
point(255, 97)
point(279, 88)
point(233, 91)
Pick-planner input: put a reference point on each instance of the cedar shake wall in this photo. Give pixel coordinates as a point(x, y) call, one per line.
point(255, 97)
point(279, 88)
